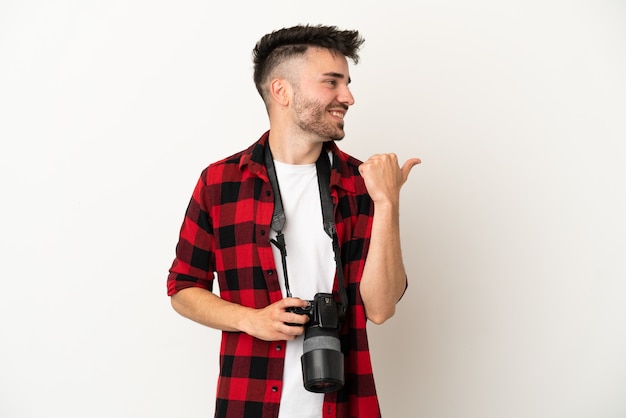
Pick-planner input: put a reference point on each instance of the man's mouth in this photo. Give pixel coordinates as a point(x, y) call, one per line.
point(337, 114)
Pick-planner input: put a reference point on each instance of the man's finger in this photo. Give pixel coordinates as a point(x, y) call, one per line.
point(408, 165)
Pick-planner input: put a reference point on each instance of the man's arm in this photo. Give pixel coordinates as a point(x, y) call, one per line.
point(269, 323)
point(384, 277)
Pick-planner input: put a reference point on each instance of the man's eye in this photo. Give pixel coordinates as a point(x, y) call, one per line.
point(332, 82)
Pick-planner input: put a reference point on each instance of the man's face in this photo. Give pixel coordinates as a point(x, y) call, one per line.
point(321, 95)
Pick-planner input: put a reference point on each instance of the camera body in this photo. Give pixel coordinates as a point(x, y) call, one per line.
point(322, 311)
point(322, 359)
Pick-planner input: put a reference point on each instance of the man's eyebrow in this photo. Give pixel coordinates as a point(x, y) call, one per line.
point(337, 75)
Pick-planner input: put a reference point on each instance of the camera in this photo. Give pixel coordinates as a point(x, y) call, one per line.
point(322, 359)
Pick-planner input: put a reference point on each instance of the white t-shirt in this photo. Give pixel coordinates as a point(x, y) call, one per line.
point(310, 268)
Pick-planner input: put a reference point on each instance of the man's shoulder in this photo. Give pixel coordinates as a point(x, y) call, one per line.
point(239, 158)
point(231, 159)
point(346, 160)
point(348, 169)
point(225, 169)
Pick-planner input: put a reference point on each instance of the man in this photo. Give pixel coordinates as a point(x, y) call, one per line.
point(302, 75)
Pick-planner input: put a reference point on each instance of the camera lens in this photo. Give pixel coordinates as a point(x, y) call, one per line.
point(322, 360)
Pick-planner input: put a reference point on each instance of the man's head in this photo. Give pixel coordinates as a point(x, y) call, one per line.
point(278, 47)
point(302, 75)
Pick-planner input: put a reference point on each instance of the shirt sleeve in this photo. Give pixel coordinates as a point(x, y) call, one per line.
point(194, 263)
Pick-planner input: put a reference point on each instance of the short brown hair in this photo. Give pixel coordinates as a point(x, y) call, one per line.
point(275, 47)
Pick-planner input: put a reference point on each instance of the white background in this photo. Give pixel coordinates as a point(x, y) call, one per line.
point(513, 227)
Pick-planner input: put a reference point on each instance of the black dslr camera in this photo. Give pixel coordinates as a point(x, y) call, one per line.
point(322, 359)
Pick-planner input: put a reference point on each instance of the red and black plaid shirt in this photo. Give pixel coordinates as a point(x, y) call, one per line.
point(226, 230)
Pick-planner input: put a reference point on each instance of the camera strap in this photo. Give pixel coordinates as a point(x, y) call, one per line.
point(328, 215)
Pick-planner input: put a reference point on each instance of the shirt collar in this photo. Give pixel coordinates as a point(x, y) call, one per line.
point(340, 175)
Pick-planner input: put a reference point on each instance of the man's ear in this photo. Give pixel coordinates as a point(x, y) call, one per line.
point(279, 89)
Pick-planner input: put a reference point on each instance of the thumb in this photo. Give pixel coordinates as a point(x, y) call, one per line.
point(408, 165)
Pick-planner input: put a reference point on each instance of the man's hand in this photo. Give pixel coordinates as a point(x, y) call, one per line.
point(270, 323)
point(384, 177)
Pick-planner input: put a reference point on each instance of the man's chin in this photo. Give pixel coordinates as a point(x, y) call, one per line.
point(339, 136)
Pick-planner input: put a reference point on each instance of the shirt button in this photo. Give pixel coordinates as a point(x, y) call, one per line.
point(268, 193)
point(274, 388)
point(278, 348)
point(270, 272)
point(262, 231)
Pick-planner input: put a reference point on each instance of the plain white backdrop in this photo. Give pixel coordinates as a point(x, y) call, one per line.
point(513, 227)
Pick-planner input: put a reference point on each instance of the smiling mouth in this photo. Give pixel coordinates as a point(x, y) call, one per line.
point(337, 114)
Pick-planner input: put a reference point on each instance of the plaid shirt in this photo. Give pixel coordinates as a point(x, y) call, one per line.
point(226, 230)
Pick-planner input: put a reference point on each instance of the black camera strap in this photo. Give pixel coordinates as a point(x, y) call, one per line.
point(328, 216)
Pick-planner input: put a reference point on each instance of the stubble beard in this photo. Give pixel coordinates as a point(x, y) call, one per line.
point(310, 118)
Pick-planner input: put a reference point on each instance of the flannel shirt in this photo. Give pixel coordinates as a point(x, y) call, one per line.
point(226, 231)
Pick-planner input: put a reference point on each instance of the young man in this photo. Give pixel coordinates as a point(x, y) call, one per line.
point(302, 74)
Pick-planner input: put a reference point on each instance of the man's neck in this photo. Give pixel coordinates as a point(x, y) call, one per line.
point(293, 150)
